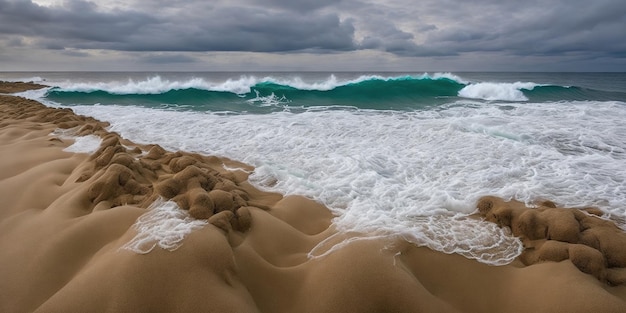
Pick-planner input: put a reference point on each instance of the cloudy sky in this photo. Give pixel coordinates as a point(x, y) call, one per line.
point(327, 35)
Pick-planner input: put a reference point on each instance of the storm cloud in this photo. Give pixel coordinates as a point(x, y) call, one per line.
point(403, 31)
point(80, 24)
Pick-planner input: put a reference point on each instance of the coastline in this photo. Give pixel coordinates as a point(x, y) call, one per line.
point(67, 216)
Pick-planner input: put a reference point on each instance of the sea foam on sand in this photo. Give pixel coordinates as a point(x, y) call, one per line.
point(165, 225)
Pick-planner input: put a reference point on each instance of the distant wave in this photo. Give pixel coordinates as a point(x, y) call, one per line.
point(248, 93)
point(242, 85)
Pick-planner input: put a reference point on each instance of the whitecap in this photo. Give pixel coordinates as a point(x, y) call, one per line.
point(497, 91)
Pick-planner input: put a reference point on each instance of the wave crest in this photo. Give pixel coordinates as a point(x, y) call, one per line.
point(497, 91)
point(242, 85)
point(248, 93)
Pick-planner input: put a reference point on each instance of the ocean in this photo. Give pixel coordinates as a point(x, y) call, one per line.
point(391, 154)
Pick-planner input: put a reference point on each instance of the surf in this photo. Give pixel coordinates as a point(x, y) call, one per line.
point(252, 94)
point(412, 170)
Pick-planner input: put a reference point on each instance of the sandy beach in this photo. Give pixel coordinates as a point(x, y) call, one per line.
point(79, 233)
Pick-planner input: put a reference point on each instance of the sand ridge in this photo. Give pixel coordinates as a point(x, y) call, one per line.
point(65, 218)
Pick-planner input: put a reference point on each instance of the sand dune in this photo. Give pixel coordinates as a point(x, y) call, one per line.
point(70, 240)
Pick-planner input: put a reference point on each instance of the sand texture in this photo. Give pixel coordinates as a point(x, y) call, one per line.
point(13, 87)
point(70, 240)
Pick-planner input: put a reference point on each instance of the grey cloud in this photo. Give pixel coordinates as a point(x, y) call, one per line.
point(299, 5)
point(426, 28)
point(244, 30)
point(401, 28)
point(80, 24)
point(166, 58)
point(77, 20)
point(533, 29)
point(52, 46)
point(74, 53)
point(15, 41)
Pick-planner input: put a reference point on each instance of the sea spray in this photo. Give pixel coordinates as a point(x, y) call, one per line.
point(496, 91)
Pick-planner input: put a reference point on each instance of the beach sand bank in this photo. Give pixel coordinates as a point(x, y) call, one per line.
point(68, 244)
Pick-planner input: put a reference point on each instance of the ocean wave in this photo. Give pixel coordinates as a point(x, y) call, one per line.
point(255, 94)
point(242, 85)
point(366, 92)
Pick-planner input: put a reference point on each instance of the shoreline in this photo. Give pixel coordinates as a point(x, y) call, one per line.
point(66, 217)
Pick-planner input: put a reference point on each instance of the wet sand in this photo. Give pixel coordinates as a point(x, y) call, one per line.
point(66, 221)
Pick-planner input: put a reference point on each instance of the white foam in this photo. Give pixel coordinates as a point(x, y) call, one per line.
point(164, 225)
point(82, 144)
point(449, 76)
point(496, 91)
point(85, 144)
point(152, 85)
point(413, 173)
point(333, 243)
point(332, 82)
point(36, 94)
point(448, 233)
point(265, 101)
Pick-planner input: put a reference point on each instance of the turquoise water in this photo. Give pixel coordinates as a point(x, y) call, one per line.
point(269, 94)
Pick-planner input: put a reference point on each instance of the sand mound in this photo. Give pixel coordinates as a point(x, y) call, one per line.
point(595, 246)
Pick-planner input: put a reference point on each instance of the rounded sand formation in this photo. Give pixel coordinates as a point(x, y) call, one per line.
point(594, 245)
point(194, 182)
